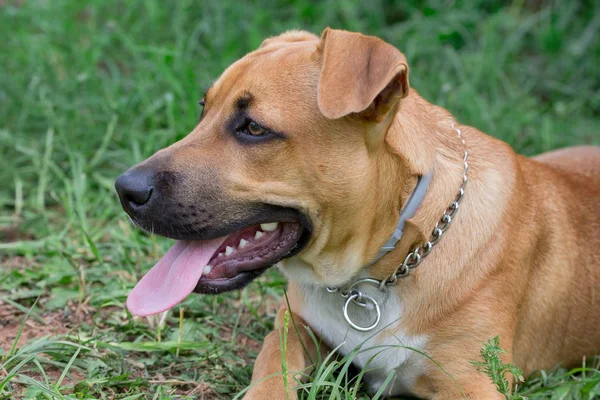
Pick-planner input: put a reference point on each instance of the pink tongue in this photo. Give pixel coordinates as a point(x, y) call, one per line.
point(173, 277)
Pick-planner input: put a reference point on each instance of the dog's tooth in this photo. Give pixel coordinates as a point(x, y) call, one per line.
point(207, 269)
point(220, 255)
point(258, 234)
point(228, 250)
point(270, 227)
point(243, 243)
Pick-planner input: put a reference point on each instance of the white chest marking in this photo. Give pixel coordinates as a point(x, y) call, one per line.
point(323, 312)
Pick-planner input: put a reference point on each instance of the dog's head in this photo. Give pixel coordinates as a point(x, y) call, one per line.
point(286, 164)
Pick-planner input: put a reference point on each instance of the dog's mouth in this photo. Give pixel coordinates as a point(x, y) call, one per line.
point(215, 265)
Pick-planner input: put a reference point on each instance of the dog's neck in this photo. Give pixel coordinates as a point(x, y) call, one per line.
point(423, 141)
point(418, 139)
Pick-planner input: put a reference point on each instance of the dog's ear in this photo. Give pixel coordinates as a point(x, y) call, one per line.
point(360, 74)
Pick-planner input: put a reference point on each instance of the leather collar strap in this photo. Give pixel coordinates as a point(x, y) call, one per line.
point(408, 211)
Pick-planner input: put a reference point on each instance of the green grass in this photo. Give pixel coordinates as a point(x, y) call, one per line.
point(88, 89)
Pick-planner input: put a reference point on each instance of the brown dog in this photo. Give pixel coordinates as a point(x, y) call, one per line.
point(307, 152)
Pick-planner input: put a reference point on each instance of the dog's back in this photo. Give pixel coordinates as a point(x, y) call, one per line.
point(566, 263)
point(584, 160)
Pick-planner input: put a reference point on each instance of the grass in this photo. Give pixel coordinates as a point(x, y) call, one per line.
point(493, 367)
point(88, 89)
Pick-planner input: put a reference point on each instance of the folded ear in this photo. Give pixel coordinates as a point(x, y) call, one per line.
point(360, 74)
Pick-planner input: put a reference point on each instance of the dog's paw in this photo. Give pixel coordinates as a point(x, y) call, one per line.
point(267, 393)
point(270, 396)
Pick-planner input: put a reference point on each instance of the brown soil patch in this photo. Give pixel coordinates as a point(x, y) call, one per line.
point(10, 323)
point(55, 323)
point(16, 262)
point(12, 233)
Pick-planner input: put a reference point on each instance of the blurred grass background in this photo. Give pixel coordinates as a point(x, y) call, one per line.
point(88, 89)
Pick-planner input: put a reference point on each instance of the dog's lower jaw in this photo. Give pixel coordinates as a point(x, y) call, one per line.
point(298, 271)
point(324, 270)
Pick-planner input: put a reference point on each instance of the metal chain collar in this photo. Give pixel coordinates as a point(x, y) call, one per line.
point(353, 294)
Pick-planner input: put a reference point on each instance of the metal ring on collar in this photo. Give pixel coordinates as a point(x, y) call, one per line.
point(351, 323)
point(358, 298)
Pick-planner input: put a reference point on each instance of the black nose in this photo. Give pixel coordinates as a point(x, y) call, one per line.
point(135, 189)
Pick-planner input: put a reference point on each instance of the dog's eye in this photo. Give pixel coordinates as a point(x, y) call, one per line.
point(248, 131)
point(202, 102)
point(255, 129)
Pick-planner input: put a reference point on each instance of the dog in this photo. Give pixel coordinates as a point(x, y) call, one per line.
point(400, 230)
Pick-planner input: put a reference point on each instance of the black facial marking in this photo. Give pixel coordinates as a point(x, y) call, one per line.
point(244, 101)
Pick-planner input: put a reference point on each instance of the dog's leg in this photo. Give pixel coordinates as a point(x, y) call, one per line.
point(453, 376)
point(473, 386)
point(471, 392)
point(301, 352)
